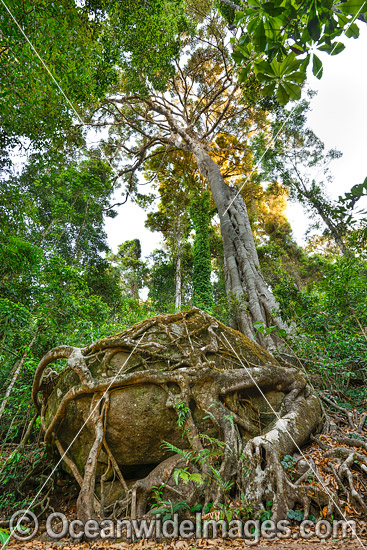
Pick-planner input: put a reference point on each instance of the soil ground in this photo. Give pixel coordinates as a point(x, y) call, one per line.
point(313, 544)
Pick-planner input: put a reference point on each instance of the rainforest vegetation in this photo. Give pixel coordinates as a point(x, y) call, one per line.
point(173, 105)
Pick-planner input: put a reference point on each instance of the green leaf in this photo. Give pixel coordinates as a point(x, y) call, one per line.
point(314, 28)
point(259, 327)
point(290, 64)
point(237, 56)
point(352, 31)
point(282, 95)
point(297, 49)
point(252, 25)
point(353, 6)
point(271, 9)
point(197, 478)
point(276, 66)
point(259, 36)
point(176, 476)
point(196, 508)
point(4, 537)
point(157, 511)
point(298, 76)
point(243, 74)
point(184, 476)
point(337, 48)
point(325, 48)
point(268, 90)
point(238, 18)
point(269, 330)
point(264, 67)
point(265, 79)
point(317, 69)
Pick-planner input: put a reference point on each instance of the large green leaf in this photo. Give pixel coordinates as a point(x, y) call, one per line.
point(282, 95)
point(337, 48)
point(353, 6)
point(264, 67)
point(268, 90)
point(292, 90)
point(243, 74)
point(298, 76)
point(252, 25)
point(317, 68)
point(314, 28)
point(271, 9)
point(352, 31)
point(276, 66)
point(260, 37)
point(290, 64)
point(237, 56)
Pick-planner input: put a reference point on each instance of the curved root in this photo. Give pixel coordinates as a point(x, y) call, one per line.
point(218, 389)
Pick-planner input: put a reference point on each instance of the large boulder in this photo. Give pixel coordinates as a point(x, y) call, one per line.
point(176, 378)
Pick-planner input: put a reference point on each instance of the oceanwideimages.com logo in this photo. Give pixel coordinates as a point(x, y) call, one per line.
point(24, 526)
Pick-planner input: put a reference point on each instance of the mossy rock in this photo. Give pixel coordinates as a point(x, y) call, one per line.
point(141, 417)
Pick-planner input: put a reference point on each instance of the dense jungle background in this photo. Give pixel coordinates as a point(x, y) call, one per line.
point(173, 106)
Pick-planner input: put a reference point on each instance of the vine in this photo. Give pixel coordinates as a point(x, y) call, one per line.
point(200, 216)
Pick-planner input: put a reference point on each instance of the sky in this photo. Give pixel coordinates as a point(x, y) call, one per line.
point(338, 117)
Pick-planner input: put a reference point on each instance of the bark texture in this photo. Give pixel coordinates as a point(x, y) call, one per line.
point(244, 281)
point(178, 277)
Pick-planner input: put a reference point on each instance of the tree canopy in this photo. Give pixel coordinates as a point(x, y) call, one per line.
point(174, 104)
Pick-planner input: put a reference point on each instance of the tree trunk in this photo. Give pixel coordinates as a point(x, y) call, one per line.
point(330, 225)
point(178, 278)
point(134, 286)
point(254, 302)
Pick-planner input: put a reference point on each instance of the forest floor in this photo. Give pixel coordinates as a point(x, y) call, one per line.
point(340, 440)
point(313, 544)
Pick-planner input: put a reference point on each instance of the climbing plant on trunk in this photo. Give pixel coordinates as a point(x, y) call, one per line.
point(200, 216)
point(203, 104)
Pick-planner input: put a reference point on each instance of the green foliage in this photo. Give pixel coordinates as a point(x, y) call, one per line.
point(69, 42)
point(297, 515)
point(182, 411)
point(331, 316)
point(289, 463)
point(184, 475)
point(13, 470)
point(145, 38)
point(298, 159)
point(132, 269)
point(55, 284)
point(165, 507)
point(4, 537)
point(209, 456)
point(227, 11)
point(174, 177)
point(278, 40)
point(200, 215)
point(162, 282)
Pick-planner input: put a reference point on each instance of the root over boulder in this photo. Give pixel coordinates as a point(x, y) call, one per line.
point(179, 402)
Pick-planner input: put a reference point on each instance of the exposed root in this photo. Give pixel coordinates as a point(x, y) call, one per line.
point(340, 461)
point(207, 371)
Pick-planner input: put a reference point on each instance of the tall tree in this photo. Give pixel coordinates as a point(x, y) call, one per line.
point(202, 104)
point(132, 268)
point(299, 160)
point(200, 215)
point(172, 175)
